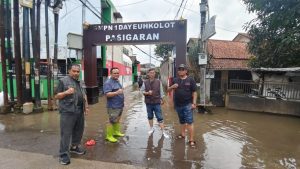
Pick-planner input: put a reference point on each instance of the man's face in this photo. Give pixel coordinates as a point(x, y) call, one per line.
point(182, 71)
point(74, 72)
point(151, 74)
point(115, 74)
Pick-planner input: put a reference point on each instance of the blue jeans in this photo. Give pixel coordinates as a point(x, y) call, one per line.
point(185, 114)
point(157, 110)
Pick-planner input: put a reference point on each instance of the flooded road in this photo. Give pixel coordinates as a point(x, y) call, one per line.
point(225, 138)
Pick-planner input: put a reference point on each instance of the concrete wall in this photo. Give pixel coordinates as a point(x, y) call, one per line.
point(264, 105)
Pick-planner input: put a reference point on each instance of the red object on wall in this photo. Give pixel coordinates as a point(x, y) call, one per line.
point(124, 70)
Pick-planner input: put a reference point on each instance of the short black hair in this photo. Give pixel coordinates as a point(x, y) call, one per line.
point(113, 68)
point(73, 65)
point(151, 69)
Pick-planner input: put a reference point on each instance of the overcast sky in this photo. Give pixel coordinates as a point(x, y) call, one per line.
point(231, 17)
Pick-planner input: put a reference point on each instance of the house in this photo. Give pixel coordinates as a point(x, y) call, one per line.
point(227, 60)
point(242, 37)
point(278, 92)
point(278, 82)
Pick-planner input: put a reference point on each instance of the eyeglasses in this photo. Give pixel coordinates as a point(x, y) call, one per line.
point(181, 69)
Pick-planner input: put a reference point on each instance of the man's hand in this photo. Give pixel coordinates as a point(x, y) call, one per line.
point(120, 91)
point(87, 110)
point(194, 105)
point(174, 86)
point(150, 92)
point(162, 101)
point(71, 90)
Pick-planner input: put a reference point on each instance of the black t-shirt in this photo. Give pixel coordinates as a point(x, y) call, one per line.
point(183, 95)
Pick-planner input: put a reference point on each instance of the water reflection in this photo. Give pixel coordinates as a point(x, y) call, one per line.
point(2, 127)
point(225, 138)
point(289, 163)
point(152, 151)
point(234, 139)
point(217, 145)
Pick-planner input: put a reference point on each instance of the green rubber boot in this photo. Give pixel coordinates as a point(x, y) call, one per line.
point(109, 134)
point(117, 128)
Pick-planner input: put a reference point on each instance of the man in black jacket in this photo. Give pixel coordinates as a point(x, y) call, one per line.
point(72, 105)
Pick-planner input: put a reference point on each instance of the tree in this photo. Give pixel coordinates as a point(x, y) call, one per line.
point(193, 60)
point(163, 50)
point(275, 33)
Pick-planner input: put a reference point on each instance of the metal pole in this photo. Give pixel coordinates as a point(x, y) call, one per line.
point(38, 53)
point(3, 59)
point(8, 48)
point(36, 50)
point(203, 12)
point(83, 23)
point(17, 49)
point(49, 74)
point(26, 55)
point(56, 7)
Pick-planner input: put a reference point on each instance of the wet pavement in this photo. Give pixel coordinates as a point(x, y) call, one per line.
point(225, 138)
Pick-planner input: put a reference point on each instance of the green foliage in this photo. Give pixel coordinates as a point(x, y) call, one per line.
point(275, 33)
point(193, 60)
point(163, 50)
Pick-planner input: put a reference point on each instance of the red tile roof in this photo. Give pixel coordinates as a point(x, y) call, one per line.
point(227, 54)
point(228, 64)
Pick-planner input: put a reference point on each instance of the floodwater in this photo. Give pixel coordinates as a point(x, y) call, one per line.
point(226, 139)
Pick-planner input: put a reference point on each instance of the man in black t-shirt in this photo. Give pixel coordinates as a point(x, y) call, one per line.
point(185, 97)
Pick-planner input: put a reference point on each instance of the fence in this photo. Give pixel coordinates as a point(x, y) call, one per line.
point(277, 90)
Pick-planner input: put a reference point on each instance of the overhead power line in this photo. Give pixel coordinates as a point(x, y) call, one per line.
point(179, 6)
point(131, 3)
point(145, 52)
point(90, 9)
point(108, 21)
point(184, 7)
point(178, 9)
point(97, 15)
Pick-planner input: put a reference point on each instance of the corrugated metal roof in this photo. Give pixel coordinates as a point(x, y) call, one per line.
point(291, 69)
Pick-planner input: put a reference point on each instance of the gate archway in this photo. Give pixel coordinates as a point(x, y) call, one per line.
point(131, 33)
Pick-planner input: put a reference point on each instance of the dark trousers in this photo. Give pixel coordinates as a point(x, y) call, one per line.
point(71, 127)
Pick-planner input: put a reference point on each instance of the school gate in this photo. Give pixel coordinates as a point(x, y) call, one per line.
point(133, 33)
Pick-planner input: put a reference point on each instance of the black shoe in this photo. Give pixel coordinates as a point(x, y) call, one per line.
point(64, 160)
point(77, 150)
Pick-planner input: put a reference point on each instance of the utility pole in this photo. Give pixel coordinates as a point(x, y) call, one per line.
point(49, 73)
point(56, 8)
point(35, 51)
point(203, 20)
point(80, 51)
point(3, 59)
point(38, 107)
point(26, 55)
point(8, 52)
point(17, 49)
